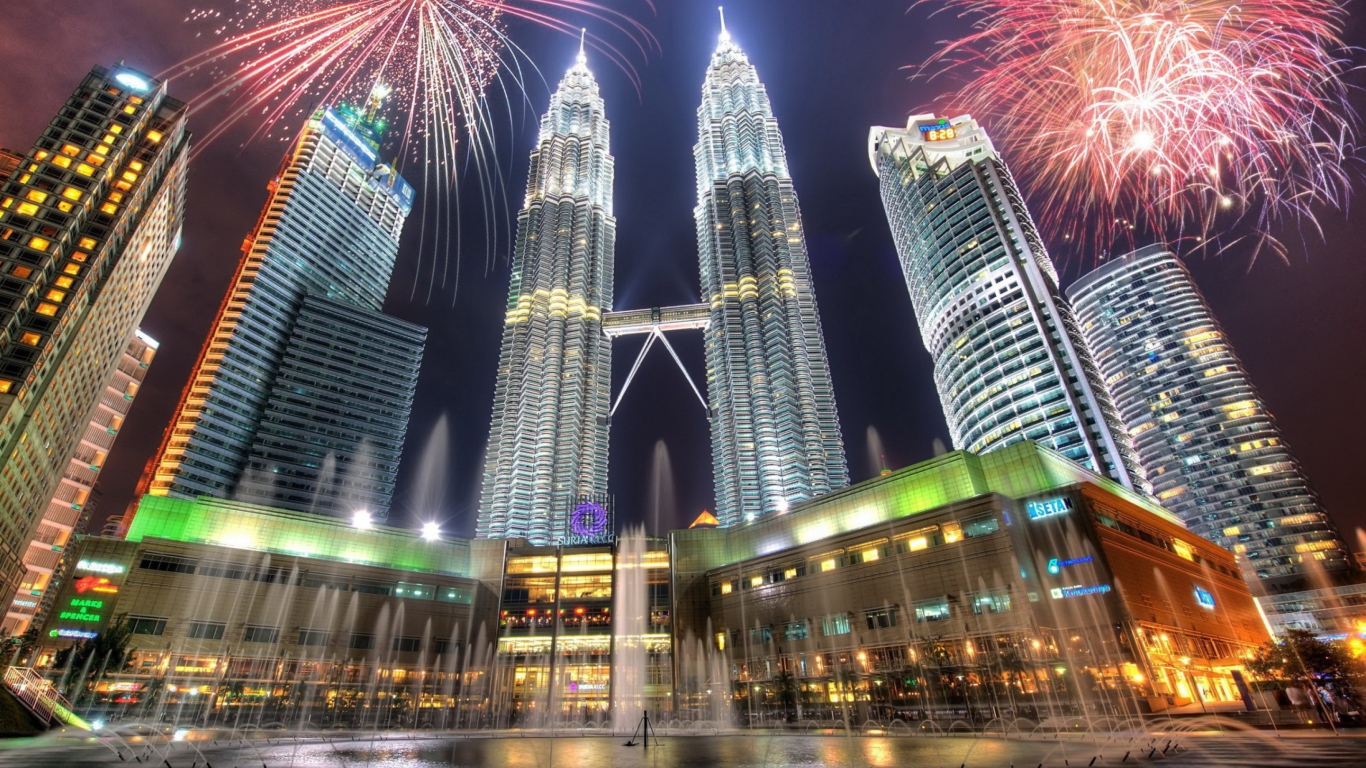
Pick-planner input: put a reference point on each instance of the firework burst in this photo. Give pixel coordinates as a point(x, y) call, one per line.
point(432, 62)
point(1179, 117)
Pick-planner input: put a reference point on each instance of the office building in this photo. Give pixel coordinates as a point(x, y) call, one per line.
point(332, 432)
point(1207, 439)
point(1009, 361)
point(48, 559)
point(775, 432)
point(548, 440)
point(88, 227)
point(329, 230)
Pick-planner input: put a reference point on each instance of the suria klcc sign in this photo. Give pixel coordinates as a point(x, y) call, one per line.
point(590, 522)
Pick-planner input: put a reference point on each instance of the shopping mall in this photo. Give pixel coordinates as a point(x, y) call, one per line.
point(968, 586)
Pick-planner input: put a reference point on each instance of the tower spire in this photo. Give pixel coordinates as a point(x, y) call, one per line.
point(725, 34)
point(582, 60)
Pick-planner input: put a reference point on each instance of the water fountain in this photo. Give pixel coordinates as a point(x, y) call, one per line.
point(630, 621)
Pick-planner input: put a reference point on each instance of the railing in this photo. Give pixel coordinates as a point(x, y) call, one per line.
point(39, 697)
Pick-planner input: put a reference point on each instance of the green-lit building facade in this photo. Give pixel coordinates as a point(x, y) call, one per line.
point(966, 587)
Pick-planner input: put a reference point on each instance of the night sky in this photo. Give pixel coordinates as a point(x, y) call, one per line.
point(833, 68)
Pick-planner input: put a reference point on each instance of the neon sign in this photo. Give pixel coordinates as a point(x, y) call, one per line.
point(1204, 598)
point(590, 522)
point(96, 566)
point(937, 131)
point(84, 605)
point(1078, 591)
point(1055, 565)
point(74, 634)
point(1048, 507)
point(98, 584)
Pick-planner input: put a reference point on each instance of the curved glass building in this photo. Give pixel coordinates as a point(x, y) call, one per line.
point(1210, 445)
point(548, 439)
point(775, 432)
point(1009, 362)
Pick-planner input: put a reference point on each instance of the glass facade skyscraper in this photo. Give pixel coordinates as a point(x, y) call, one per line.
point(89, 223)
point(548, 440)
point(1009, 361)
point(1207, 439)
point(333, 428)
point(774, 428)
point(330, 229)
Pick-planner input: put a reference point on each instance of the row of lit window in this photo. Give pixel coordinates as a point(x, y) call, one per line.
point(913, 541)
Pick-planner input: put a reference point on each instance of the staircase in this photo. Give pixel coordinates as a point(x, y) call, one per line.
point(39, 697)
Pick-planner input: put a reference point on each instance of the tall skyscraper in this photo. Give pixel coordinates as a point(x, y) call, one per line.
point(1009, 361)
point(549, 436)
point(774, 430)
point(88, 225)
point(48, 559)
point(1210, 445)
point(329, 230)
point(332, 432)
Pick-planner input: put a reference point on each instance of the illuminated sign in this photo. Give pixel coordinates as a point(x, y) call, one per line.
point(95, 566)
point(26, 603)
point(1048, 507)
point(1204, 598)
point(74, 634)
point(1055, 565)
point(937, 131)
point(576, 687)
point(98, 584)
point(590, 522)
point(1078, 591)
point(132, 82)
point(84, 605)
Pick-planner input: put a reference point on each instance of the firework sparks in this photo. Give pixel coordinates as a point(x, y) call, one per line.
point(1162, 114)
point(430, 63)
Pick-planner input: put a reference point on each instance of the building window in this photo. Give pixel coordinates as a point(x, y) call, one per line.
point(760, 635)
point(881, 618)
point(360, 642)
point(991, 602)
point(313, 637)
point(146, 625)
point(261, 635)
point(932, 610)
point(453, 595)
point(443, 646)
point(796, 630)
point(155, 561)
point(414, 591)
point(205, 630)
point(980, 526)
point(835, 624)
point(406, 644)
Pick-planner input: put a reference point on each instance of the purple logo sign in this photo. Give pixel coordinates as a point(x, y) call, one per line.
point(588, 521)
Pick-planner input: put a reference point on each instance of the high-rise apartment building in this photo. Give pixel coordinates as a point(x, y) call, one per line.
point(47, 561)
point(330, 229)
point(332, 433)
point(548, 441)
point(1009, 361)
point(88, 225)
point(774, 428)
point(1205, 436)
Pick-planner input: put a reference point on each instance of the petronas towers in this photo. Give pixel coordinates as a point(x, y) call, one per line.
point(775, 434)
point(548, 439)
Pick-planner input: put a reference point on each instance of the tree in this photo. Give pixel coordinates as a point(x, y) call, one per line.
point(1301, 658)
point(111, 644)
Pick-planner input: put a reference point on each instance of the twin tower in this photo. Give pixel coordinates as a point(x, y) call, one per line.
point(774, 430)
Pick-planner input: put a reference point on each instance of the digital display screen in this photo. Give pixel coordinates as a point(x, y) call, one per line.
point(940, 131)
